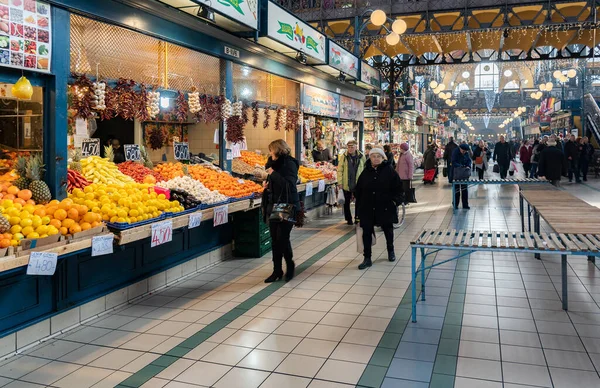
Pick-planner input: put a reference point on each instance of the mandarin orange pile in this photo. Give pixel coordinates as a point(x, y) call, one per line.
point(8, 191)
point(253, 159)
point(169, 170)
point(310, 174)
point(223, 182)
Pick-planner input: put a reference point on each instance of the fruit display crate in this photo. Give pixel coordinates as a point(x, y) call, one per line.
point(118, 226)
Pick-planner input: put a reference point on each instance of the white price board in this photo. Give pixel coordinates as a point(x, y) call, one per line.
point(162, 232)
point(42, 263)
point(195, 220)
point(102, 245)
point(321, 185)
point(309, 189)
point(221, 215)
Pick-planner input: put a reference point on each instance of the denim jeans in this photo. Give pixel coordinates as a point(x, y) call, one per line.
point(533, 172)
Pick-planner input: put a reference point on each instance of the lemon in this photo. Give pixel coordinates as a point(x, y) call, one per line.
point(26, 231)
point(14, 220)
point(36, 221)
point(16, 229)
point(18, 236)
point(13, 211)
point(26, 222)
point(33, 235)
point(42, 229)
point(45, 220)
point(51, 231)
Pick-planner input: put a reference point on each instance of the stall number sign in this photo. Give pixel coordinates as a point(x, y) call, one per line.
point(195, 220)
point(132, 152)
point(90, 147)
point(102, 245)
point(321, 185)
point(162, 232)
point(42, 263)
point(220, 216)
point(182, 151)
point(309, 189)
point(232, 52)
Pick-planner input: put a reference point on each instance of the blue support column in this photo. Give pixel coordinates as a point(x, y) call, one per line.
point(55, 130)
point(227, 84)
point(298, 137)
point(361, 135)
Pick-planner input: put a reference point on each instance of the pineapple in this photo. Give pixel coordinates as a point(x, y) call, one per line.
point(40, 192)
point(4, 224)
point(109, 154)
point(146, 158)
point(21, 167)
point(76, 161)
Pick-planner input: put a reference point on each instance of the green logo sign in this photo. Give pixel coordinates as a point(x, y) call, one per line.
point(233, 3)
point(312, 44)
point(286, 30)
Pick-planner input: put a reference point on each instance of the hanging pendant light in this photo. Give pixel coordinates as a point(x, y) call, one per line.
point(378, 17)
point(22, 89)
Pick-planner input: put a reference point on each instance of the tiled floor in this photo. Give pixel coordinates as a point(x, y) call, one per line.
point(490, 320)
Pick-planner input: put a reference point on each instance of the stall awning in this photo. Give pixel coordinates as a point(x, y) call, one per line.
point(231, 15)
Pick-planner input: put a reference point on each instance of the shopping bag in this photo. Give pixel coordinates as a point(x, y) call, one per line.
point(331, 196)
point(496, 169)
point(341, 199)
point(360, 248)
point(513, 167)
point(445, 172)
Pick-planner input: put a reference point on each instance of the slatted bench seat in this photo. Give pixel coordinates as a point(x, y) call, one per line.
point(508, 181)
point(466, 242)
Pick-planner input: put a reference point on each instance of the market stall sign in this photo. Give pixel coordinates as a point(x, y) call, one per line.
point(341, 59)
point(309, 189)
point(90, 147)
point(132, 152)
point(320, 102)
point(42, 263)
point(351, 109)
point(102, 245)
point(195, 220)
point(181, 151)
point(242, 11)
point(292, 32)
point(221, 214)
point(25, 35)
point(370, 75)
point(321, 186)
point(162, 232)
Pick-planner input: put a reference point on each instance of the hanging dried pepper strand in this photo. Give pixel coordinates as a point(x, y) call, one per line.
point(255, 114)
point(127, 98)
point(245, 117)
point(267, 113)
point(83, 96)
point(278, 120)
point(235, 129)
point(142, 112)
point(112, 104)
point(181, 107)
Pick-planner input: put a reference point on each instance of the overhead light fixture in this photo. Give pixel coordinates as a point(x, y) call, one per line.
point(399, 26)
point(164, 102)
point(441, 86)
point(433, 84)
point(557, 74)
point(507, 73)
point(466, 74)
point(301, 57)
point(549, 86)
point(378, 17)
point(246, 92)
point(392, 38)
point(543, 87)
point(206, 13)
point(571, 73)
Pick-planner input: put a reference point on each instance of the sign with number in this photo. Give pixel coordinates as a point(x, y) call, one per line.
point(309, 188)
point(195, 220)
point(132, 152)
point(321, 185)
point(102, 245)
point(182, 151)
point(42, 263)
point(220, 216)
point(162, 232)
point(90, 147)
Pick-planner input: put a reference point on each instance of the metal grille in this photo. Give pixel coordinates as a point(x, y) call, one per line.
point(252, 84)
point(187, 68)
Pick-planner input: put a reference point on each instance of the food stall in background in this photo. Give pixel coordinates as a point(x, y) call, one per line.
point(321, 113)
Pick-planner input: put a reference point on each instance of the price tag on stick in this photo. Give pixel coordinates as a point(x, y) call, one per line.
point(195, 220)
point(162, 232)
point(321, 185)
point(181, 151)
point(90, 147)
point(102, 245)
point(42, 263)
point(220, 215)
point(309, 189)
point(132, 152)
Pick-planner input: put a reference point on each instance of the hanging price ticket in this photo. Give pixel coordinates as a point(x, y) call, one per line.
point(90, 147)
point(42, 263)
point(321, 185)
point(162, 232)
point(102, 245)
point(309, 189)
point(132, 152)
point(195, 220)
point(220, 215)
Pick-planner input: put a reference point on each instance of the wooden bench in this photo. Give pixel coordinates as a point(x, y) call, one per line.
point(508, 181)
point(467, 242)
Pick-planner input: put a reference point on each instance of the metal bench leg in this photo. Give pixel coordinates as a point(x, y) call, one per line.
point(592, 259)
point(536, 226)
point(453, 196)
point(529, 216)
point(423, 274)
point(413, 264)
point(565, 298)
point(522, 215)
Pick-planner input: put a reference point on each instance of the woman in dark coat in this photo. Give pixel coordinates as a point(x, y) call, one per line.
point(480, 151)
point(429, 160)
point(378, 194)
point(281, 188)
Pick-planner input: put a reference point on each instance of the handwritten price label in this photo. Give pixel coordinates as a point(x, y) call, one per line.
point(132, 152)
point(90, 147)
point(309, 189)
point(162, 232)
point(102, 245)
point(42, 263)
point(321, 185)
point(195, 220)
point(181, 151)
point(221, 214)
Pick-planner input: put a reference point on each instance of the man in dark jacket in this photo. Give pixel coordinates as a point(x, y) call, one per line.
point(552, 164)
point(586, 154)
point(461, 159)
point(448, 150)
point(503, 155)
point(572, 155)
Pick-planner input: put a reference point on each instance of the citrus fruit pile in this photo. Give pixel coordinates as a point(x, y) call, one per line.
point(223, 182)
point(169, 170)
point(12, 192)
point(99, 170)
point(26, 221)
point(253, 159)
point(310, 174)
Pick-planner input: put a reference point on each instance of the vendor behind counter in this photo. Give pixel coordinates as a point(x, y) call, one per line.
point(321, 154)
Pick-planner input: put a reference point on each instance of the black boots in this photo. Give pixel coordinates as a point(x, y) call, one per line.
point(391, 256)
point(290, 268)
point(366, 263)
point(275, 276)
point(278, 273)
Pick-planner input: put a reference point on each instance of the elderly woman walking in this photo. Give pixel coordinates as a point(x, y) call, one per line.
point(405, 169)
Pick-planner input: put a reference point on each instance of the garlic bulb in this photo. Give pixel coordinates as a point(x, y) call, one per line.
point(153, 104)
point(237, 108)
point(226, 109)
point(284, 117)
point(194, 188)
point(99, 93)
point(194, 102)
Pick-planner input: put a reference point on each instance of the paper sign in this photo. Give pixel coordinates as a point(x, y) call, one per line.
point(195, 220)
point(90, 147)
point(181, 151)
point(81, 127)
point(229, 155)
point(132, 152)
point(321, 185)
point(102, 245)
point(162, 232)
point(220, 216)
point(309, 189)
point(241, 181)
point(42, 263)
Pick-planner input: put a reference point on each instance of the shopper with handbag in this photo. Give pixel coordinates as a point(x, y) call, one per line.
point(405, 169)
point(480, 158)
point(351, 165)
point(461, 163)
point(282, 204)
point(378, 194)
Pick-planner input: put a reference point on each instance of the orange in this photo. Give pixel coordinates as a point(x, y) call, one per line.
point(89, 217)
point(56, 223)
point(82, 209)
point(60, 214)
point(75, 229)
point(86, 226)
point(68, 223)
point(12, 190)
point(95, 224)
point(73, 214)
point(40, 212)
point(9, 196)
point(30, 202)
point(64, 231)
point(4, 243)
point(54, 202)
point(64, 205)
point(51, 209)
point(25, 194)
point(20, 200)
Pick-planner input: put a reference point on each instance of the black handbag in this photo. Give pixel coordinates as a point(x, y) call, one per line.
point(410, 195)
point(445, 172)
point(462, 173)
point(496, 169)
point(283, 211)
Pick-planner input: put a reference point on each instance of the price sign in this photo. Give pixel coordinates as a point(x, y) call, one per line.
point(181, 151)
point(309, 188)
point(220, 216)
point(195, 220)
point(241, 181)
point(132, 152)
point(42, 263)
point(321, 185)
point(162, 232)
point(102, 245)
point(229, 155)
point(90, 147)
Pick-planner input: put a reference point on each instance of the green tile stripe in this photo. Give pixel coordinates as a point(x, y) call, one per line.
point(444, 367)
point(163, 362)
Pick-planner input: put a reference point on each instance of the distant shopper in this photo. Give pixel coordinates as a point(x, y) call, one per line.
point(281, 189)
point(118, 151)
point(378, 194)
point(586, 155)
point(461, 162)
point(480, 158)
point(525, 153)
point(430, 163)
point(405, 169)
point(552, 164)
point(503, 155)
point(351, 165)
point(572, 155)
point(321, 154)
point(448, 150)
point(389, 155)
point(368, 149)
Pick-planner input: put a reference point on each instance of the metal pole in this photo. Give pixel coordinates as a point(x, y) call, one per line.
point(392, 78)
point(423, 274)
point(565, 299)
point(357, 32)
point(413, 265)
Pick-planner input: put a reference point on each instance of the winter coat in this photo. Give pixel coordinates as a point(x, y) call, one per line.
point(322, 156)
point(503, 153)
point(587, 152)
point(525, 154)
point(405, 167)
point(535, 153)
point(378, 194)
point(281, 187)
point(342, 169)
point(448, 150)
point(552, 163)
point(460, 160)
point(480, 152)
point(429, 160)
point(390, 157)
point(572, 150)
point(119, 155)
